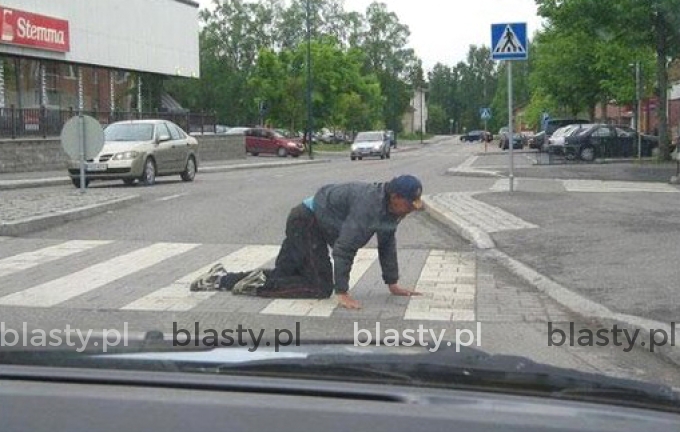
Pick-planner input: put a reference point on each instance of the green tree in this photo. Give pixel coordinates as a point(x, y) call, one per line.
point(343, 97)
point(438, 121)
point(637, 25)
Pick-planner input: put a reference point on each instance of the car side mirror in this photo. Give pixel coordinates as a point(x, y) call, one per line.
point(163, 138)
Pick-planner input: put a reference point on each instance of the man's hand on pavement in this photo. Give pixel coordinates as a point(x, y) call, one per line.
point(396, 290)
point(348, 302)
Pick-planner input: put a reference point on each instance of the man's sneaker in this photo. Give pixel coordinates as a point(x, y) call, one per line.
point(228, 281)
point(209, 280)
point(250, 284)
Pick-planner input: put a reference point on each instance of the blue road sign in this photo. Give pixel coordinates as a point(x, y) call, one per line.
point(544, 120)
point(509, 41)
point(485, 113)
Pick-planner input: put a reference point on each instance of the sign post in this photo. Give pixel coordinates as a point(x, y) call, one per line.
point(82, 138)
point(485, 113)
point(509, 43)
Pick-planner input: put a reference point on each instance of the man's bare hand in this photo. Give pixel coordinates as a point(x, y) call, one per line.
point(398, 291)
point(348, 302)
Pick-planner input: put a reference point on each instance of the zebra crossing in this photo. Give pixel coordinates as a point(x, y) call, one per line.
point(154, 277)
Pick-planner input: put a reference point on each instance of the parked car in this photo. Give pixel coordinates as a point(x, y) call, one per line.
point(262, 140)
point(519, 141)
point(537, 141)
point(474, 135)
point(553, 124)
point(141, 150)
point(373, 143)
point(602, 140)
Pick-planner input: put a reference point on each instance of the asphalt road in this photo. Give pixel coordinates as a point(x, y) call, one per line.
point(177, 228)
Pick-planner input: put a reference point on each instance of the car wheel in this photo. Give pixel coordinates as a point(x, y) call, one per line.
point(282, 152)
point(353, 158)
point(361, 158)
point(190, 171)
point(149, 174)
point(587, 153)
point(76, 182)
point(254, 153)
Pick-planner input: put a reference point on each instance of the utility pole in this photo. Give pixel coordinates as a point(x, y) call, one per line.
point(638, 97)
point(422, 94)
point(309, 79)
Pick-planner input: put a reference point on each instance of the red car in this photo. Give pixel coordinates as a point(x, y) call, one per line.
point(262, 140)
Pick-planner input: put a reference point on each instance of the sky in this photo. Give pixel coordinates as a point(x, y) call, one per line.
point(443, 30)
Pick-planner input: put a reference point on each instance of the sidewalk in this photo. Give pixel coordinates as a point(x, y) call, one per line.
point(532, 164)
point(594, 238)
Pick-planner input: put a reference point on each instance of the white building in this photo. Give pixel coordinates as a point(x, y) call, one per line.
point(84, 54)
point(415, 119)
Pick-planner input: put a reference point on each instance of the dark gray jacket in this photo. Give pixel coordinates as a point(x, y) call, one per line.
point(350, 214)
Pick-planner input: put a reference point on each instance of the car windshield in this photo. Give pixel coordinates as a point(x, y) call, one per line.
point(129, 132)
point(369, 136)
point(373, 181)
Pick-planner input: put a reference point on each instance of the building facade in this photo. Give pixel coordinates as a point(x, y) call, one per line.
point(92, 56)
point(416, 116)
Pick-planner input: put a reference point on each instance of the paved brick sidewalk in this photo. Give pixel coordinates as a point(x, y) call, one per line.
point(22, 211)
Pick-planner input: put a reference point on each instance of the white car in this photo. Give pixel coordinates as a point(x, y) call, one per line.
point(367, 144)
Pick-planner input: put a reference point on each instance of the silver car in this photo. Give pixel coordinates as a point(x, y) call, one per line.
point(366, 144)
point(141, 150)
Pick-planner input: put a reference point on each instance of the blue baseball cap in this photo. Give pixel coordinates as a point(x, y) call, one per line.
point(409, 187)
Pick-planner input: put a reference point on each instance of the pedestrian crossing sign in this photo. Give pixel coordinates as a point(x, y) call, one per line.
point(509, 41)
point(485, 113)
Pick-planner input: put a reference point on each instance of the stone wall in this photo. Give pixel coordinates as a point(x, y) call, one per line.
point(38, 154)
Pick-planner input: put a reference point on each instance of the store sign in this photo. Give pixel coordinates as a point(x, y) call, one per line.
point(34, 31)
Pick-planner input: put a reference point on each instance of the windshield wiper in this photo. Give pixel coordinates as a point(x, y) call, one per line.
point(301, 369)
point(471, 369)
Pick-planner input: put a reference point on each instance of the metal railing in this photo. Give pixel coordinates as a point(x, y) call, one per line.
point(45, 122)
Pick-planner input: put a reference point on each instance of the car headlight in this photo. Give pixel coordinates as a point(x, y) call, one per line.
point(377, 146)
point(125, 155)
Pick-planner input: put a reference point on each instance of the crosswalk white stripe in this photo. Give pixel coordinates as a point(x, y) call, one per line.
point(23, 261)
point(325, 307)
point(178, 298)
point(60, 290)
point(447, 283)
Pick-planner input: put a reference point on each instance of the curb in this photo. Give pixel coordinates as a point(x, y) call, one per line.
point(226, 168)
point(589, 310)
point(38, 223)
point(472, 173)
point(504, 153)
point(465, 169)
point(474, 235)
point(31, 183)
point(596, 313)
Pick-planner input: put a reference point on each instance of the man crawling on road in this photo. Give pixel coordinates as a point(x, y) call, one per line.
point(343, 216)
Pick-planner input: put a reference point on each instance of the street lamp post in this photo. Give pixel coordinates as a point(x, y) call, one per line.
point(422, 96)
point(309, 79)
point(638, 97)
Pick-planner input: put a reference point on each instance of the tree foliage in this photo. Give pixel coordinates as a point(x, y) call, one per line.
point(362, 70)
